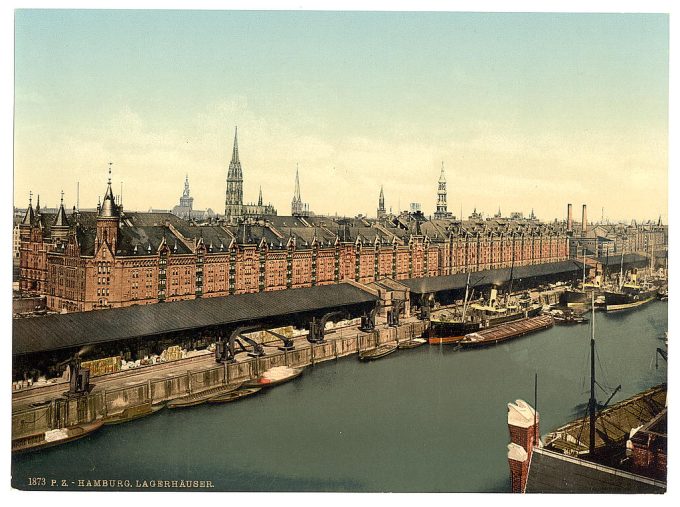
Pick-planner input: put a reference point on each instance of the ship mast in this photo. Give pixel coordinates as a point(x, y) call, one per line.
point(467, 286)
point(584, 268)
point(592, 404)
point(621, 274)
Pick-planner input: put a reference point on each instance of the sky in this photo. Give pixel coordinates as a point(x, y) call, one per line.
point(525, 111)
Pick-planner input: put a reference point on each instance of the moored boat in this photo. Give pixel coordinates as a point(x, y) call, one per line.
point(481, 315)
point(234, 395)
point(377, 352)
point(412, 344)
point(132, 413)
point(202, 396)
point(274, 377)
point(54, 437)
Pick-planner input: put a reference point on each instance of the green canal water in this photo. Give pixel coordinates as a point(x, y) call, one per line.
point(422, 420)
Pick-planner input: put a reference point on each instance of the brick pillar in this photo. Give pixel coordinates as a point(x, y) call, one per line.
point(523, 424)
point(518, 460)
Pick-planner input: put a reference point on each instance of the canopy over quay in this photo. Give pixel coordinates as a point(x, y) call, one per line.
point(64, 331)
point(534, 274)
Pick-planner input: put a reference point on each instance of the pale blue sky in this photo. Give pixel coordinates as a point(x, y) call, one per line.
point(525, 110)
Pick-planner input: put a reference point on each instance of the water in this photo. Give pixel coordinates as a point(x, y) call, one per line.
point(424, 420)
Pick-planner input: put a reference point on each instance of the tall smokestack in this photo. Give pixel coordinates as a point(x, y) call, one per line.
point(584, 220)
point(569, 218)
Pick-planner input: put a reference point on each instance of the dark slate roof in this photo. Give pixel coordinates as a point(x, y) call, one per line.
point(283, 222)
point(615, 259)
point(488, 277)
point(550, 472)
point(144, 236)
point(53, 332)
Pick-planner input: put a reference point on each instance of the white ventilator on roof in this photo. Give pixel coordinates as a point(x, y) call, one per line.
point(521, 414)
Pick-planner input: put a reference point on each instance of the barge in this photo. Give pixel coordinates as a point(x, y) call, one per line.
point(132, 413)
point(507, 332)
point(274, 377)
point(234, 395)
point(54, 437)
point(201, 396)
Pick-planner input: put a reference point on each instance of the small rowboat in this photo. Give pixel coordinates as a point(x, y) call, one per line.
point(202, 396)
point(234, 395)
point(132, 413)
point(274, 377)
point(412, 344)
point(54, 437)
point(377, 352)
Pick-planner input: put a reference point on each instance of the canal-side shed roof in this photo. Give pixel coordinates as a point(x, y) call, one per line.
point(53, 332)
point(488, 277)
point(629, 258)
point(550, 472)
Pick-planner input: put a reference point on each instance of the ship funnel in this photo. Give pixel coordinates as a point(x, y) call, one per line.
point(493, 297)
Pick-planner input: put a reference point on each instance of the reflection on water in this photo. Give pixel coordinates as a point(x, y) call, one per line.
point(428, 419)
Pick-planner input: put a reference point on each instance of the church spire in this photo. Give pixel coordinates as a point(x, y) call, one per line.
point(381, 204)
point(233, 208)
point(234, 154)
point(297, 207)
point(259, 199)
point(296, 194)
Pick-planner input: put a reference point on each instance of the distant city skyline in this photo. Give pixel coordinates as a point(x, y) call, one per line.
point(525, 110)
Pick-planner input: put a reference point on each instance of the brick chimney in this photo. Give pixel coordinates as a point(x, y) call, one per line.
point(569, 218)
point(584, 220)
point(523, 423)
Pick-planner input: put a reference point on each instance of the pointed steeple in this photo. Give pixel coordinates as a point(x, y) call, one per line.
point(381, 203)
point(296, 194)
point(29, 217)
point(37, 206)
point(234, 154)
point(259, 199)
point(297, 206)
point(233, 207)
point(441, 209)
point(108, 207)
point(61, 220)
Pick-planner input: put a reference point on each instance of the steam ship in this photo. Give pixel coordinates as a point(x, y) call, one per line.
point(631, 295)
point(481, 316)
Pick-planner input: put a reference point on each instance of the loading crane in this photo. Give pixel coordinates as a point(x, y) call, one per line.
point(426, 303)
point(317, 327)
point(225, 350)
point(368, 320)
point(79, 377)
point(287, 342)
point(393, 314)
